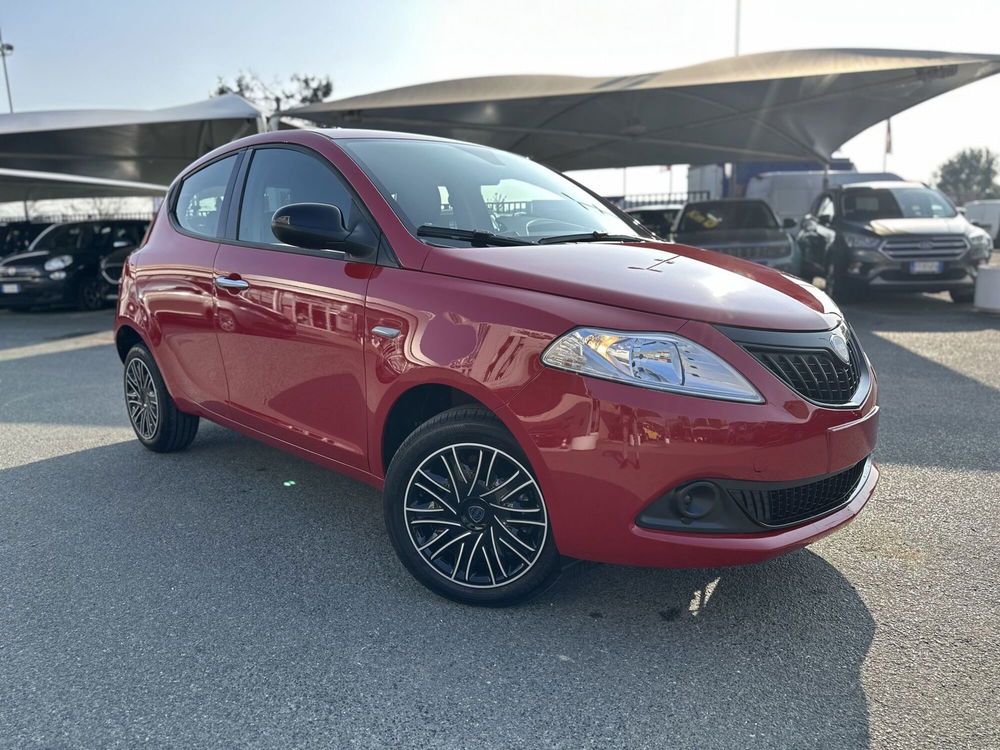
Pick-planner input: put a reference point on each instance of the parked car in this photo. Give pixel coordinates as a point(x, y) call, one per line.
point(741, 228)
point(891, 236)
point(62, 265)
point(16, 236)
point(658, 218)
point(985, 214)
point(566, 386)
point(790, 194)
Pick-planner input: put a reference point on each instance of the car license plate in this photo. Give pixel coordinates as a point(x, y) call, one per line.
point(926, 266)
point(11, 289)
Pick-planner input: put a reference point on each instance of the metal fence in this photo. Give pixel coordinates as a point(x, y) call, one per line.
point(646, 199)
point(66, 218)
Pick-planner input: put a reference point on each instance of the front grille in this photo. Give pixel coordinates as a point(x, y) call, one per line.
point(921, 248)
point(817, 374)
point(19, 272)
point(789, 505)
point(754, 252)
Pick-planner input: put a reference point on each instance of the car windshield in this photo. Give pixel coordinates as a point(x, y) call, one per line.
point(474, 188)
point(867, 204)
point(707, 217)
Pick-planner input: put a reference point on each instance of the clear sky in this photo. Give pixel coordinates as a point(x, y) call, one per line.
point(102, 53)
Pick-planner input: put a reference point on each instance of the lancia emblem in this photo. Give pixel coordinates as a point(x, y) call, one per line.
point(838, 342)
point(477, 513)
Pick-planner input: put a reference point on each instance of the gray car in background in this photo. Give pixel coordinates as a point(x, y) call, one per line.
point(741, 228)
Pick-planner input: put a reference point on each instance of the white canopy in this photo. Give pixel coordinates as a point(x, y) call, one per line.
point(24, 185)
point(149, 146)
point(798, 105)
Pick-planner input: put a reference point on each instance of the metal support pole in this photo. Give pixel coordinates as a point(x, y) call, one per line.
point(738, 27)
point(4, 51)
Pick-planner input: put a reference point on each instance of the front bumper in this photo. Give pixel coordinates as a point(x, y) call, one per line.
point(605, 451)
point(32, 291)
point(871, 268)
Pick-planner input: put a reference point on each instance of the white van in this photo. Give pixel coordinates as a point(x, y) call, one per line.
point(985, 214)
point(791, 193)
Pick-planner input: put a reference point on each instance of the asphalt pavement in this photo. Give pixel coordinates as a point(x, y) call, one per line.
point(235, 596)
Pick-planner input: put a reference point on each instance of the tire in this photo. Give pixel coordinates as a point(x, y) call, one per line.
point(156, 420)
point(453, 524)
point(962, 296)
point(838, 286)
point(91, 293)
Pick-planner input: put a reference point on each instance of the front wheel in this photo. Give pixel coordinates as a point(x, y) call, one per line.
point(838, 286)
point(156, 420)
point(962, 296)
point(465, 513)
point(91, 294)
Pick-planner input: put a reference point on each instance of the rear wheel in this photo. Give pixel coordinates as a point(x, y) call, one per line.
point(465, 513)
point(962, 296)
point(156, 420)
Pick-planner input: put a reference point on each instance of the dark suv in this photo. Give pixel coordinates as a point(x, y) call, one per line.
point(901, 236)
point(62, 265)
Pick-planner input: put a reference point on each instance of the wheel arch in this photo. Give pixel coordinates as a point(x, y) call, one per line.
point(126, 337)
point(409, 406)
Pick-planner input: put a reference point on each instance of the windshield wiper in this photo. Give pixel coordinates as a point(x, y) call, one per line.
point(477, 238)
point(590, 237)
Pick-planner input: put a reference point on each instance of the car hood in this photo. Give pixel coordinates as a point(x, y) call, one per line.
point(675, 280)
point(888, 227)
point(732, 237)
point(36, 258)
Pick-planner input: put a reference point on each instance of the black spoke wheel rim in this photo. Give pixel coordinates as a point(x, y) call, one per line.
point(93, 294)
point(141, 399)
point(475, 515)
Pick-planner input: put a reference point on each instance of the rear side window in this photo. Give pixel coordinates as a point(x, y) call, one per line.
point(278, 177)
point(201, 197)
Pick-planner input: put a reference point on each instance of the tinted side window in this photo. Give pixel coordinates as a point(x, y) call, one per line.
point(278, 177)
point(201, 197)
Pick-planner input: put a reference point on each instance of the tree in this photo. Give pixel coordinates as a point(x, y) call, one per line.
point(299, 89)
point(970, 175)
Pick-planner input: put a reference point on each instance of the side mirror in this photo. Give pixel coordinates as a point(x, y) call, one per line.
point(788, 223)
point(824, 220)
point(316, 226)
point(961, 210)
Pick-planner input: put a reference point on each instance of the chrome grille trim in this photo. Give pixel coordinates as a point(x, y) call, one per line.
point(920, 248)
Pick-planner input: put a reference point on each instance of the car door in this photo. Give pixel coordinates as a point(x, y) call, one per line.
point(816, 235)
point(174, 278)
point(290, 319)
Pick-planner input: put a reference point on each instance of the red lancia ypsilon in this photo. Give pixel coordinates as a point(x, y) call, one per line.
point(523, 370)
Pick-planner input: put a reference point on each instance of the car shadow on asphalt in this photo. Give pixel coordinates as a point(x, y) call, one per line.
point(231, 581)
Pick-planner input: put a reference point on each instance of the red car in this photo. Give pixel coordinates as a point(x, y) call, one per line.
point(522, 369)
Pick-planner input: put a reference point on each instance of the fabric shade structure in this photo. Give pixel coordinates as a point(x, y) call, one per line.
point(797, 105)
point(22, 185)
point(148, 146)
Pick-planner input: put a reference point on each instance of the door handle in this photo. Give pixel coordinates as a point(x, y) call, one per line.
point(224, 282)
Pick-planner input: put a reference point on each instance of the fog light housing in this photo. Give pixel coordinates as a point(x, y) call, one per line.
point(854, 268)
point(697, 500)
point(57, 275)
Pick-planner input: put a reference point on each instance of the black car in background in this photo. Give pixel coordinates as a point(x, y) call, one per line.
point(739, 227)
point(658, 218)
point(62, 265)
point(901, 236)
point(16, 236)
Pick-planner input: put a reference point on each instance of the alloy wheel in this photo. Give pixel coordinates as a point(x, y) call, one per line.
point(141, 400)
point(475, 515)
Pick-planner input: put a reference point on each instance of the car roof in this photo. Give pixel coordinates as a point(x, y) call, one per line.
point(727, 200)
point(345, 134)
point(656, 207)
point(882, 184)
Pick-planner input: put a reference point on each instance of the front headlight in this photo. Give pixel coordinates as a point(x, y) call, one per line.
point(662, 361)
point(58, 262)
point(861, 241)
point(980, 241)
